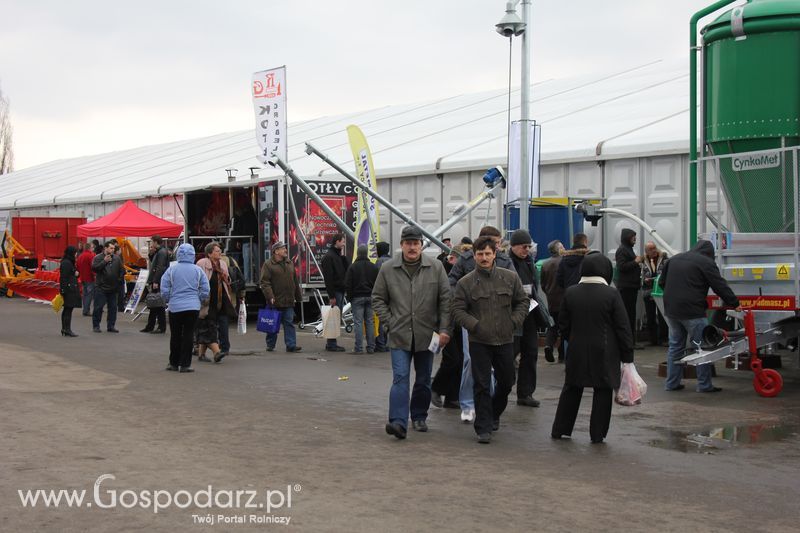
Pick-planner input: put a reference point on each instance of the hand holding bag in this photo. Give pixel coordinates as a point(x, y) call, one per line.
point(632, 387)
point(269, 320)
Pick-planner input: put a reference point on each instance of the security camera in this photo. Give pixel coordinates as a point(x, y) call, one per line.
point(510, 25)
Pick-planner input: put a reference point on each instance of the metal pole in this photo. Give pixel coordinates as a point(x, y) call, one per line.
point(465, 209)
point(702, 187)
point(796, 182)
point(525, 81)
point(645, 225)
point(314, 196)
point(310, 149)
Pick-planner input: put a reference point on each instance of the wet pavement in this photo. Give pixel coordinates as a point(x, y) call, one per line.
point(308, 427)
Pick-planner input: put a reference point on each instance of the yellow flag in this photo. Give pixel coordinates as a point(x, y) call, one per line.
point(368, 222)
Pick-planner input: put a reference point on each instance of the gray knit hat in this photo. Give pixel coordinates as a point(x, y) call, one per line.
point(521, 236)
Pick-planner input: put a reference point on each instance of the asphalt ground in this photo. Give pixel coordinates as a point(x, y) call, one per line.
point(310, 426)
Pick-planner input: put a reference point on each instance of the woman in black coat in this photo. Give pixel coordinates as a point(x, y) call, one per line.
point(594, 321)
point(69, 290)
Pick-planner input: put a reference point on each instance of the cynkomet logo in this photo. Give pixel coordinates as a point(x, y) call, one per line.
point(755, 162)
point(106, 497)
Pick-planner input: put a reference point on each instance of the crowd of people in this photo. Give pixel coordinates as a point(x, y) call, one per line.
point(483, 304)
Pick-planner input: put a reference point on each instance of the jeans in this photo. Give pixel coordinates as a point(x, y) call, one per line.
point(289, 334)
point(223, 332)
point(247, 262)
point(420, 396)
point(486, 358)
point(331, 343)
point(87, 297)
point(679, 331)
point(101, 298)
point(181, 329)
point(362, 314)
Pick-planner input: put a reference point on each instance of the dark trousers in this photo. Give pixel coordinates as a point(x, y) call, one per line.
point(528, 347)
point(156, 314)
point(629, 300)
point(484, 357)
point(223, 332)
point(66, 318)
point(656, 325)
point(101, 298)
point(567, 412)
point(555, 340)
point(447, 381)
point(181, 328)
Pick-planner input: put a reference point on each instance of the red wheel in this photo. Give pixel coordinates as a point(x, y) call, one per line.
point(768, 383)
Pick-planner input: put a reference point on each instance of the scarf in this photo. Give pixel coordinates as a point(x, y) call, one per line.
point(599, 280)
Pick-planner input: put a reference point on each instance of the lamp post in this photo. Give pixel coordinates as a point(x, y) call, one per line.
point(509, 26)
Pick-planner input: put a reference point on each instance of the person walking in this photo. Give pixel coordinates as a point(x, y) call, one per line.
point(109, 276)
point(68, 288)
point(686, 279)
point(213, 315)
point(86, 277)
point(238, 291)
point(183, 286)
point(359, 282)
point(652, 267)
point(594, 321)
point(490, 303)
point(159, 263)
point(334, 269)
point(383, 250)
point(412, 298)
point(569, 269)
point(629, 278)
point(554, 294)
point(281, 290)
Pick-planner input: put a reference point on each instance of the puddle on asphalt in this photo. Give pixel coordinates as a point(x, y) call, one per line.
point(726, 437)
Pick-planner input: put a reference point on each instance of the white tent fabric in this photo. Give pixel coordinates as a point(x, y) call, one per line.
point(639, 110)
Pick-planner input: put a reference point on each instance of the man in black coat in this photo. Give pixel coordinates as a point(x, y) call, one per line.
point(569, 268)
point(526, 341)
point(334, 269)
point(686, 279)
point(359, 282)
point(109, 277)
point(159, 263)
point(594, 321)
point(629, 278)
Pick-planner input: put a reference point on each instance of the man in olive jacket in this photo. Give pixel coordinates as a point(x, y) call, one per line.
point(490, 303)
point(412, 298)
point(281, 290)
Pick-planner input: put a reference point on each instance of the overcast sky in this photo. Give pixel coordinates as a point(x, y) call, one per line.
point(86, 77)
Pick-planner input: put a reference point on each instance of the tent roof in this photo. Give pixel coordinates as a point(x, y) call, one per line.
point(130, 221)
point(635, 110)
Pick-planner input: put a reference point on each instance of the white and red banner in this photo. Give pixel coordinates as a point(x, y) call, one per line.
point(269, 104)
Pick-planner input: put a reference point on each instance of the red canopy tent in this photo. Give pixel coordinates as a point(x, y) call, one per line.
point(130, 221)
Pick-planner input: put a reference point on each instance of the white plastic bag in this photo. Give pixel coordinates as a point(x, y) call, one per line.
point(241, 326)
point(331, 323)
point(632, 387)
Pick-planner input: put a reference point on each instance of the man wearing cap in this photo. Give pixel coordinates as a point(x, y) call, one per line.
point(412, 298)
point(281, 290)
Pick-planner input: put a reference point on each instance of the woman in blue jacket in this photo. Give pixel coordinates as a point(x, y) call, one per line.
point(184, 287)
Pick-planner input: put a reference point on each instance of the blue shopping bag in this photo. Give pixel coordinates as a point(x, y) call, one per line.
point(269, 320)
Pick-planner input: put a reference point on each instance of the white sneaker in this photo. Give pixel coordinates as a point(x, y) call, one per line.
point(467, 415)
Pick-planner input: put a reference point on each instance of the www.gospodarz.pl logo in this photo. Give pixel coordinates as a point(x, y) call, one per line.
point(265, 501)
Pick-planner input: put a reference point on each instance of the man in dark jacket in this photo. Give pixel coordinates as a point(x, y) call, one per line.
point(280, 287)
point(383, 249)
point(527, 344)
point(359, 281)
point(159, 263)
point(334, 269)
point(490, 303)
point(629, 276)
point(443, 256)
point(686, 279)
point(109, 276)
point(555, 294)
point(569, 270)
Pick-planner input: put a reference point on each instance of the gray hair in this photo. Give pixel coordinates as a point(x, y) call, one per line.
point(210, 247)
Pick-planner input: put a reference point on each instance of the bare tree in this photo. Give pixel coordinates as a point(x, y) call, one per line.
point(6, 137)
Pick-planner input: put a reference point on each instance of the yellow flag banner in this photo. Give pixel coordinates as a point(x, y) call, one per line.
point(368, 222)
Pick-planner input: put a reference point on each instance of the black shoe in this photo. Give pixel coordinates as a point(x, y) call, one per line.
point(419, 425)
point(679, 387)
point(396, 429)
point(112, 330)
point(219, 356)
point(87, 314)
point(145, 330)
point(485, 438)
point(70, 333)
point(548, 354)
point(712, 389)
point(270, 348)
point(97, 330)
point(294, 349)
point(185, 369)
point(495, 425)
point(157, 331)
point(638, 347)
point(597, 441)
point(528, 401)
point(203, 358)
point(436, 399)
point(172, 368)
point(334, 349)
point(452, 404)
